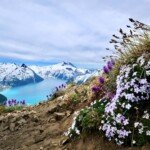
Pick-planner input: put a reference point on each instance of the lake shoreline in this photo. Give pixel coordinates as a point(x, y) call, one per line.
point(33, 93)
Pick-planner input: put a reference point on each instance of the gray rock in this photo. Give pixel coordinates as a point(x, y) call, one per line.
point(2, 118)
point(12, 127)
point(41, 148)
point(52, 109)
point(62, 103)
point(22, 121)
point(65, 141)
point(68, 113)
point(35, 118)
point(39, 138)
point(59, 116)
point(13, 120)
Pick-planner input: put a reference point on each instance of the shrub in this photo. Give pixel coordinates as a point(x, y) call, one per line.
point(132, 97)
point(74, 98)
point(115, 116)
point(88, 119)
point(123, 113)
point(58, 91)
point(2, 108)
point(12, 105)
point(56, 94)
point(12, 108)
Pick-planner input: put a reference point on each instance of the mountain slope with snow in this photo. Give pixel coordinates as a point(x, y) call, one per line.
point(13, 75)
point(64, 70)
point(83, 78)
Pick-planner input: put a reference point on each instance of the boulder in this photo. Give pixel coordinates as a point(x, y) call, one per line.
point(2, 118)
point(68, 113)
point(39, 138)
point(59, 116)
point(22, 121)
point(12, 127)
point(34, 118)
point(52, 109)
point(65, 141)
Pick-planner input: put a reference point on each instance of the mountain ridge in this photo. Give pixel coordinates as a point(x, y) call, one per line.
point(12, 74)
point(63, 70)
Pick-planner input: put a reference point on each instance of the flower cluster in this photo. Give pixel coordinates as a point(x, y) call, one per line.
point(133, 90)
point(95, 89)
point(14, 102)
point(106, 70)
point(56, 89)
point(60, 87)
point(124, 91)
point(73, 130)
point(124, 115)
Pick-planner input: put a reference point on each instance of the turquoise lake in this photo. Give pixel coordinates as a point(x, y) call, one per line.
point(33, 93)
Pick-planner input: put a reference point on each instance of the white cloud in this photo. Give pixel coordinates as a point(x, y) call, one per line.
point(51, 30)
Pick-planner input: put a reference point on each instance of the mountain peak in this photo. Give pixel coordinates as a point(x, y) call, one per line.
point(67, 63)
point(24, 66)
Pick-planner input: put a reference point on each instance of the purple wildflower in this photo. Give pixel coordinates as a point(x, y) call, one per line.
point(112, 61)
point(14, 102)
point(57, 89)
point(106, 70)
point(95, 89)
point(110, 95)
point(23, 102)
point(20, 103)
point(101, 80)
point(109, 65)
point(9, 103)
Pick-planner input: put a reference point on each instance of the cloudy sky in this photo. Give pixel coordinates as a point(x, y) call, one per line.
point(50, 31)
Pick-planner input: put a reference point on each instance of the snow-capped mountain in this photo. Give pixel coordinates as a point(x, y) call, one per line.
point(83, 78)
point(64, 70)
point(12, 75)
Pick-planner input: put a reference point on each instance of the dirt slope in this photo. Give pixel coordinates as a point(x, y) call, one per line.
point(41, 128)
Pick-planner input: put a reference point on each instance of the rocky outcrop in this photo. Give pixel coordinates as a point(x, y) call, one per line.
point(16, 120)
